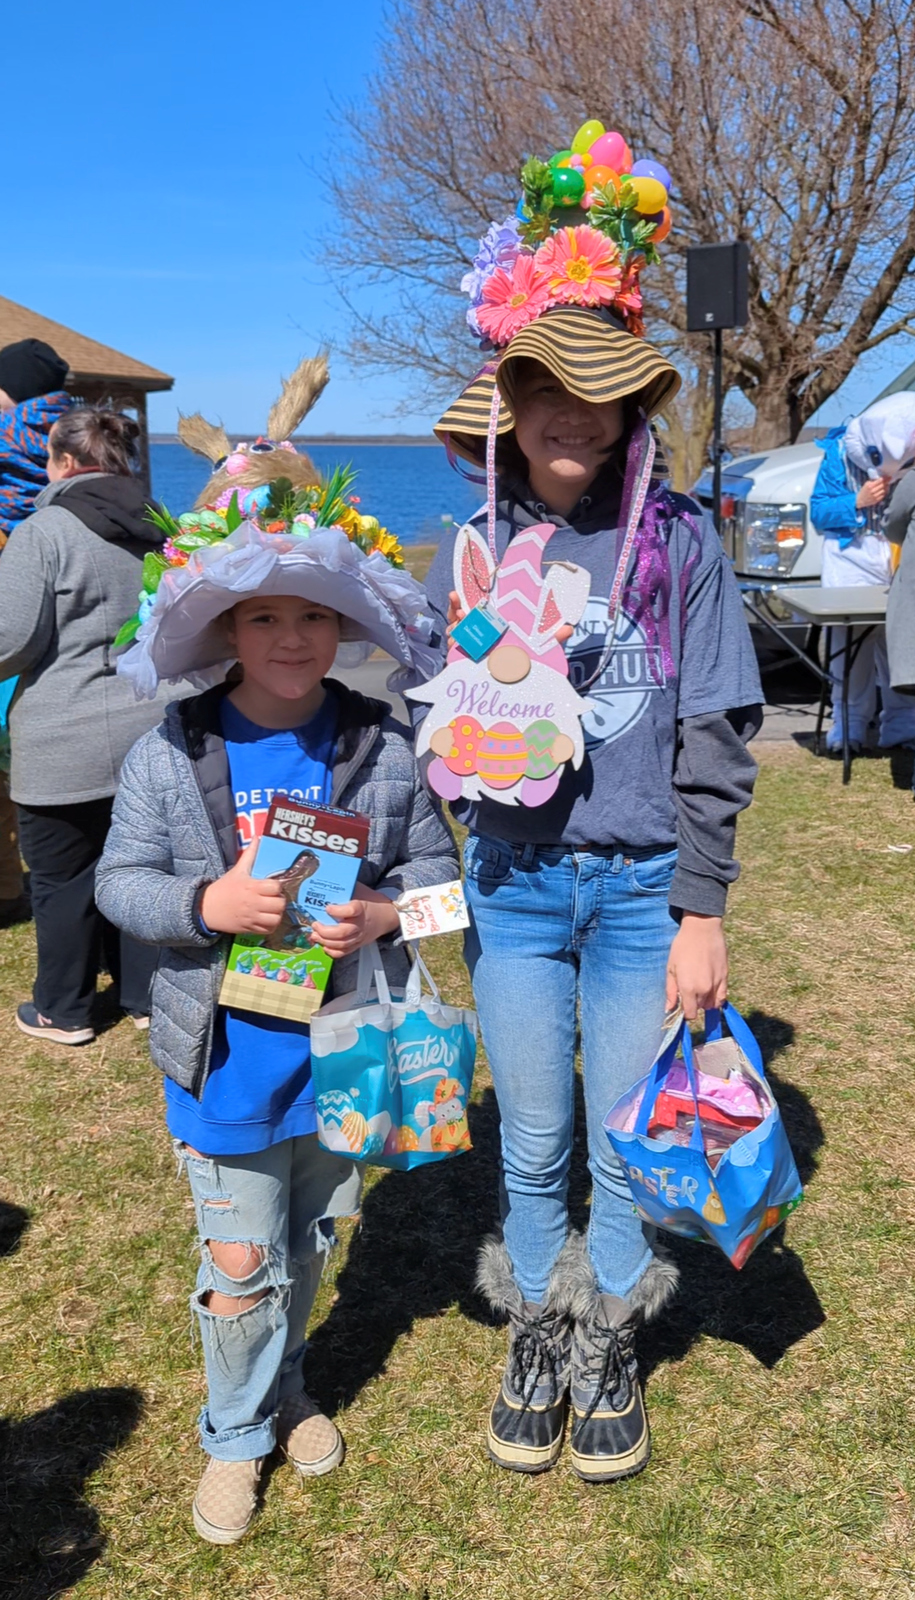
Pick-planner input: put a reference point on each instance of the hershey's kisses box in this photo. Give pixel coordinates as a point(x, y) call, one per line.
point(313, 853)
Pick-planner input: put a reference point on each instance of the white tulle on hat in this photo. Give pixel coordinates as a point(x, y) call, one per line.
point(882, 439)
point(184, 634)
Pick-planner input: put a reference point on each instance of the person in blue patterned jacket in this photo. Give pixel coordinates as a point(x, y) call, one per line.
point(32, 398)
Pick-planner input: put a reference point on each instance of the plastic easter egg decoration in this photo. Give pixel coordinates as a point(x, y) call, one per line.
point(600, 177)
point(652, 169)
point(560, 159)
point(568, 187)
point(577, 163)
point(663, 222)
point(586, 135)
point(650, 195)
point(609, 150)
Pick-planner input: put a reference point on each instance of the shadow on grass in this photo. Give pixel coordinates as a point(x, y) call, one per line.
point(13, 1223)
point(416, 1256)
point(50, 1535)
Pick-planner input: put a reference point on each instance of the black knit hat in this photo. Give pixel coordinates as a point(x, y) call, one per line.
point(30, 368)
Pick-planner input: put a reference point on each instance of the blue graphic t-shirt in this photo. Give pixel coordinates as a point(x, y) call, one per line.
point(259, 1091)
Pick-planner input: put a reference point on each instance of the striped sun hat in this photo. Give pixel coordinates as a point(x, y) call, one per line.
point(587, 350)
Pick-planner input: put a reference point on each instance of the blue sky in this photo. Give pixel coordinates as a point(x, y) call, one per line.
point(171, 194)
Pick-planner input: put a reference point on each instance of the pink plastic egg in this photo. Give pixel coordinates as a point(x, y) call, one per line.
point(502, 757)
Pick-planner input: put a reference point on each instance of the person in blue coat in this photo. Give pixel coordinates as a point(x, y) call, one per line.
point(861, 464)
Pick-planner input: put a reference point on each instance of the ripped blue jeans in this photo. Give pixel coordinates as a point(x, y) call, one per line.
point(282, 1201)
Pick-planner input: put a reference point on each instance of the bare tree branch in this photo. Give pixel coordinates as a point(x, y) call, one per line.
point(788, 123)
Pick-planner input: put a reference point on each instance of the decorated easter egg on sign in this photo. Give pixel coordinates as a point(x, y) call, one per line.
point(354, 1129)
point(502, 756)
point(407, 1139)
point(569, 187)
point(466, 734)
point(391, 1143)
point(540, 736)
point(334, 1106)
point(650, 195)
point(586, 135)
point(611, 150)
point(663, 222)
point(651, 169)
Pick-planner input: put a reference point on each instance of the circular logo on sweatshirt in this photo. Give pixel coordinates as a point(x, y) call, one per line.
point(622, 691)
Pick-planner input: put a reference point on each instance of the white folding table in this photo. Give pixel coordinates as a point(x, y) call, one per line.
point(862, 608)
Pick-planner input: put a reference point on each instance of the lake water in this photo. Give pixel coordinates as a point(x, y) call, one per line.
point(411, 489)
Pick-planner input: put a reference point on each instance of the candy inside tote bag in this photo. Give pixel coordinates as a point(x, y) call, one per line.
point(393, 1071)
point(705, 1153)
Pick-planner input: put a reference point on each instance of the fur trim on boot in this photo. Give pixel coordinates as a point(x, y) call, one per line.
point(575, 1286)
point(495, 1279)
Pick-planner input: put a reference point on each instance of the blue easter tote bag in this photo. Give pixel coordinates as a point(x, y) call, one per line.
point(392, 1071)
point(755, 1183)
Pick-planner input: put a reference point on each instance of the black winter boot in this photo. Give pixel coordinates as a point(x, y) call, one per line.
point(528, 1415)
point(610, 1434)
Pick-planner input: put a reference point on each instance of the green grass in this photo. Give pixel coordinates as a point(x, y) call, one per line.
point(781, 1397)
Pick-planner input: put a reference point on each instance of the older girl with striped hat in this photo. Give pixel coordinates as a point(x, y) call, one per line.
point(593, 741)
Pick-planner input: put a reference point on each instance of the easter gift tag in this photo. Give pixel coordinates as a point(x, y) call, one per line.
point(506, 723)
point(438, 909)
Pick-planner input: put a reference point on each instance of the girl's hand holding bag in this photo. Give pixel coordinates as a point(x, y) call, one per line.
point(392, 1072)
point(732, 1200)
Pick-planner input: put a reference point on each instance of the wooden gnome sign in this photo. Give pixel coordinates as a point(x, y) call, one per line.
point(504, 720)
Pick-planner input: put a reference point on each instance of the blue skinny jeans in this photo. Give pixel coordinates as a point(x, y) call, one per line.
point(560, 942)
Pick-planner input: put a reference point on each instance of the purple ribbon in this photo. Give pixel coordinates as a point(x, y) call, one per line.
point(650, 588)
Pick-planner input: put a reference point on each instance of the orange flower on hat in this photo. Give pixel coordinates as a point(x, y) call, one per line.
point(581, 266)
point(512, 300)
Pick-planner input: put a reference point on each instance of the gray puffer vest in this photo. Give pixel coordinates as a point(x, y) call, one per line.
point(174, 830)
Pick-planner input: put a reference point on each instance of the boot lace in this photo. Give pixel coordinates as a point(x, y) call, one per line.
point(606, 1363)
point(534, 1354)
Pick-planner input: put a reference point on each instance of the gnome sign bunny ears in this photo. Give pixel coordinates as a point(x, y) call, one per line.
point(506, 724)
point(266, 523)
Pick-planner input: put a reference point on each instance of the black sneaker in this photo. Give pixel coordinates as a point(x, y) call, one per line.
point(30, 1020)
point(528, 1415)
point(610, 1436)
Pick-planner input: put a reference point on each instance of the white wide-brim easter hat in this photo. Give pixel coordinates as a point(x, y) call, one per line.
point(185, 634)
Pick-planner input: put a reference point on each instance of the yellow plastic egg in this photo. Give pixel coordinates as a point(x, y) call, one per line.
point(651, 195)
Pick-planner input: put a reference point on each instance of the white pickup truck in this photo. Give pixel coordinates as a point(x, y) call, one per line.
point(766, 529)
point(765, 523)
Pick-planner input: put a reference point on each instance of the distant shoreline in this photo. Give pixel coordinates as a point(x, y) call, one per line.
point(343, 440)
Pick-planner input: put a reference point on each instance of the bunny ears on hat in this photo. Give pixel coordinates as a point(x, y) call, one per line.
point(310, 542)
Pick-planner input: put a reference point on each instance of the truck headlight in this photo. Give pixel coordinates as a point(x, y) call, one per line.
point(770, 538)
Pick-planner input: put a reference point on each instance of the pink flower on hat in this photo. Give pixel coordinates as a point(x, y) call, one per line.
point(581, 266)
point(511, 301)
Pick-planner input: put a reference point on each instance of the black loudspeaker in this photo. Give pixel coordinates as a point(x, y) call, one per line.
point(716, 286)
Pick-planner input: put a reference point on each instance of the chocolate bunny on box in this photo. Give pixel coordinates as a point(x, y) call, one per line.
point(505, 726)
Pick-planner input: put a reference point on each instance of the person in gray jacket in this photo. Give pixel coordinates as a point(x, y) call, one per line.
point(70, 572)
point(176, 871)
